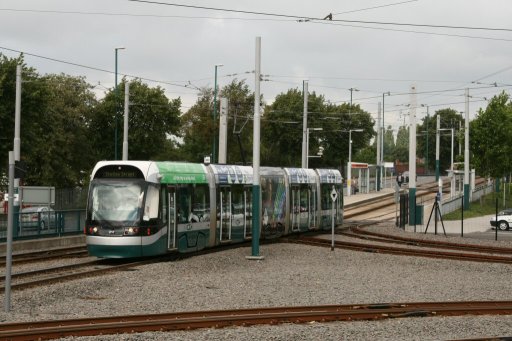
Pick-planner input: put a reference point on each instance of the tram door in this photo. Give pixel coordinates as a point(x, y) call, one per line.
point(300, 208)
point(225, 213)
point(171, 219)
point(303, 207)
point(248, 212)
point(312, 222)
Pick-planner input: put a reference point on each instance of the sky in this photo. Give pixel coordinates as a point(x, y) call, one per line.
point(374, 47)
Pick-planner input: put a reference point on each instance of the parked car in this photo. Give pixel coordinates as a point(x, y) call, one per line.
point(504, 219)
point(41, 217)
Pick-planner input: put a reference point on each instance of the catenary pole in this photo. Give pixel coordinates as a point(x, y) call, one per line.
point(466, 153)
point(17, 143)
point(126, 115)
point(256, 210)
point(378, 147)
point(438, 140)
point(8, 253)
point(17, 115)
point(305, 127)
point(412, 159)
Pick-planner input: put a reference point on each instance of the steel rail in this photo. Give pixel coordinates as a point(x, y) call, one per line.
point(401, 251)
point(39, 256)
point(244, 317)
point(75, 275)
point(433, 243)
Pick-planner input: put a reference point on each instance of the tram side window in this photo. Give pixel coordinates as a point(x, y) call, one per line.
point(200, 204)
point(193, 203)
point(152, 205)
point(163, 204)
point(326, 197)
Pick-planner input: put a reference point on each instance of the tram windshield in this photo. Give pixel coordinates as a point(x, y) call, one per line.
point(116, 201)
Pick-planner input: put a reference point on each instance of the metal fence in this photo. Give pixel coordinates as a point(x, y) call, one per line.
point(38, 225)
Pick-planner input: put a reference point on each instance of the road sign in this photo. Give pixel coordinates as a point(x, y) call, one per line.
point(37, 195)
point(334, 194)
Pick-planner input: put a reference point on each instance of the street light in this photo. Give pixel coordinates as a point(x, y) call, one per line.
point(424, 105)
point(116, 102)
point(215, 114)
point(352, 89)
point(383, 126)
point(349, 166)
point(451, 155)
point(307, 146)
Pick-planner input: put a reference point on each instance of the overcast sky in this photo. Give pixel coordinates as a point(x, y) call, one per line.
point(177, 45)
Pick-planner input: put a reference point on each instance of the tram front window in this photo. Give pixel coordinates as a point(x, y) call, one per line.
point(117, 201)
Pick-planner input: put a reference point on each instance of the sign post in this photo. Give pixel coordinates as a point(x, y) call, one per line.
point(397, 200)
point(334, 196)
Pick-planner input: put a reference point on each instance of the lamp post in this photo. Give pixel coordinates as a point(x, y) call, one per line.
point(349, 166)
point(451, 155)
point(352, 89)
point(116, 102)
point(214, 147)
point(426, 156)
point(451, 161)
point(307, 144)
point(381, 163)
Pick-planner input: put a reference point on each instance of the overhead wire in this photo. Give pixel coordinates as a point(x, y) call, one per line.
point(93, 68)
point(319, 19)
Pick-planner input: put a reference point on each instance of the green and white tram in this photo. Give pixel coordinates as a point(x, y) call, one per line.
point(146, 208)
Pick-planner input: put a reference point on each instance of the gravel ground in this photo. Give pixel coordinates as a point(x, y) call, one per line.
point(290, 275)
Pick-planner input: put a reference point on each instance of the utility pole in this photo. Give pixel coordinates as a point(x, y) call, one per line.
point(214, 146)
point(126, 114)
point(223, 130)
point(379, 165)
point(383, 127)
point(426, 156)
point(412, 159)
point(256, 209)
point(17, 145)
point(305, 127)
point(438, 132)
point(116, 103)
point(466, 154)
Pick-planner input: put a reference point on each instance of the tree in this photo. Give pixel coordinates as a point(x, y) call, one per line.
point(240, 121)
point(283, 133)
point(153, 119)
point(198, 128)
point(281, 128)
point(402, 145)
point(449, 118)
point(32, 107)
point(389, 145)
point(490, 138)
point(60, 153)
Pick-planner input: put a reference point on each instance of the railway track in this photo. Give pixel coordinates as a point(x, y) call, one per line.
point(384, 207)
point(41, 256)
point(360, 232)
point(244, 317)
point(29, 279)
point(409, 250)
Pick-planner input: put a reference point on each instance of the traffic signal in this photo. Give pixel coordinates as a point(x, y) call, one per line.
point(20, 169)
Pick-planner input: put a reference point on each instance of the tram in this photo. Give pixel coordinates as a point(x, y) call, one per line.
point(146, 208)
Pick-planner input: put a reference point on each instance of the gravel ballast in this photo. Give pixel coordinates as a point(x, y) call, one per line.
point(289, 275)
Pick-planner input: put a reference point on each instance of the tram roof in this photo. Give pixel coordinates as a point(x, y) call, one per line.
point(232, 174)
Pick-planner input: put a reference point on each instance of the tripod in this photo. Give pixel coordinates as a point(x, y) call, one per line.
point(435, 208)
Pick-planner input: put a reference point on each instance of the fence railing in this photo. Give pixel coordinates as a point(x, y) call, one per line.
point(455, 203)
point(42, 224)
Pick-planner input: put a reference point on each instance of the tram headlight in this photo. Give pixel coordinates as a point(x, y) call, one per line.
point(93, 230)
point(131, 231)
